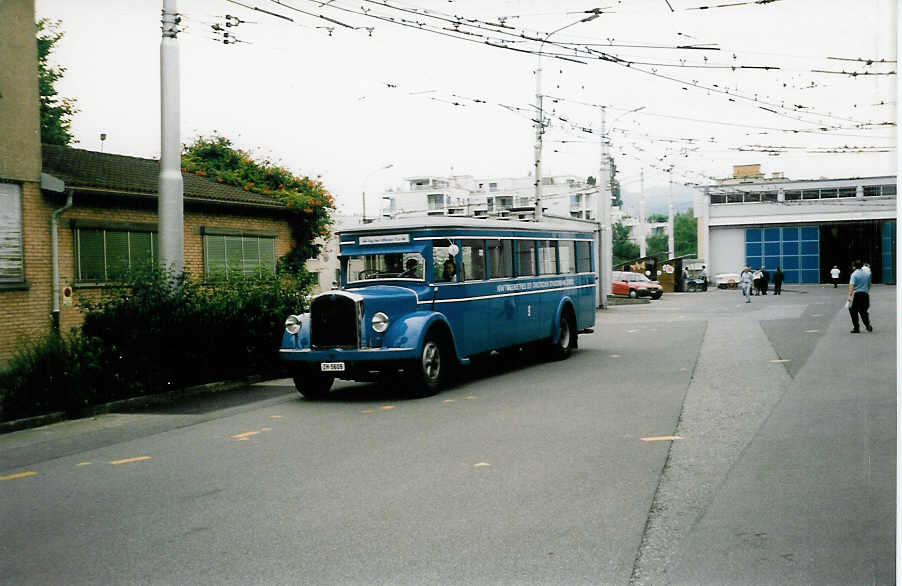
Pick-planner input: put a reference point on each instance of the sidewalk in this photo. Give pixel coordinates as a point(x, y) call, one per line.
point(810, 497)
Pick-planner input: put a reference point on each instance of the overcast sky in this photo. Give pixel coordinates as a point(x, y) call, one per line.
point(320, 103)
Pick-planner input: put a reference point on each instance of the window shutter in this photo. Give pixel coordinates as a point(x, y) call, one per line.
point(116, 255)
point(251, 265)
point(11, 259)
point(234, 256)
point(215, 257)
point(141, 251)
point(91, 255)
point(268, 256)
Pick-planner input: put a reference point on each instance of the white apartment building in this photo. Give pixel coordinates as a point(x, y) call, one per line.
point(514, 198)
point(804, 227)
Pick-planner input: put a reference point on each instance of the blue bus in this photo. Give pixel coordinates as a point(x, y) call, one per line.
point(420, 297)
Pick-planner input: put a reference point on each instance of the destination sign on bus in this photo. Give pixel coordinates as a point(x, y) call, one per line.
point(385, 239)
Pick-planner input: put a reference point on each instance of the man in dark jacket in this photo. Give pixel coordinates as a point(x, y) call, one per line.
point(778, 281)
point(765, 279)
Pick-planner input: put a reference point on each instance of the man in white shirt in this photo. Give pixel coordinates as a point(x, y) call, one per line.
point(834, 275)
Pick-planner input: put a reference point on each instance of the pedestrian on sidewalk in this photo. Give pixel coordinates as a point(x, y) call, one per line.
point(778, 281)
point(859, 298)
point(704, 277)
point(756, 281)
point(765, 279)
point(834, 275)
point(745, 283)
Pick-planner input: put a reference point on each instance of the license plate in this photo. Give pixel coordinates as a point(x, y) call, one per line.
point(332, 366)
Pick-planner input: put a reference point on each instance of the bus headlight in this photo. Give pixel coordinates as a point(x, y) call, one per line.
point(293, 324)
point(380, 322)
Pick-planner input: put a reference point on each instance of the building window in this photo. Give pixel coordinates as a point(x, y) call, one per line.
point(871, 190)
point(769, 196)
point(846, 192)
point(12, 264)
point(792, 195)
point(752, 196)
point(236, 256)
point(888, 189)
point(103, 255)
point(435, 201)
point(493, 186)
point(811, 194)
point(734, 198)
point(718, 198)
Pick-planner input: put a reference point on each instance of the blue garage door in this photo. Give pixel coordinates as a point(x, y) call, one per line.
point(792, 248)
point(888, 250)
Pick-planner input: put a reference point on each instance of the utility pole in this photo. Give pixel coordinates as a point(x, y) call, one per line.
point(603, 215)
point(540, 129)
point(670, 245)
point(642, 213)
point(170, 207)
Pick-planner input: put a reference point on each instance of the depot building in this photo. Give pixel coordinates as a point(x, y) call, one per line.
point(804, 227)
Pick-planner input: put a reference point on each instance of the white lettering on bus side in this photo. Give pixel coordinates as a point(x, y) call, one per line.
point(533, 285)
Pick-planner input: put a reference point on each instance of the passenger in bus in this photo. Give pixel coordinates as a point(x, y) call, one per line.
point(449, 269)
point(410, 270)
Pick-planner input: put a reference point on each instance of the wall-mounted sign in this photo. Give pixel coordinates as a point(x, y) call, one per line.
point(67, 296)
point(385, 239)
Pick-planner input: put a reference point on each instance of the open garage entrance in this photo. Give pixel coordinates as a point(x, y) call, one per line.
point(843, 243)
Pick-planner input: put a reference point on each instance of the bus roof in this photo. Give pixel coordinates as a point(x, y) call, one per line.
point(466, 223)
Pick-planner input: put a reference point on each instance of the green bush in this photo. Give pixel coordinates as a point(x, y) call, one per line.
point(153, 333)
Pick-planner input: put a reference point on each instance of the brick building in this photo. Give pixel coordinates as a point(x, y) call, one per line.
point(105, 206)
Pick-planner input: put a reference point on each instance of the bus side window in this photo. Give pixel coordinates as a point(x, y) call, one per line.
point(547, 257)
point(567, 256)
point(501, 258)
point(444, 265)
point(526, 257)
point(473, 260)
point(583, 257)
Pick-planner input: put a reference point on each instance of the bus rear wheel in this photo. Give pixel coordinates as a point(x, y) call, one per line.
point(566, 340)
point(313, 385)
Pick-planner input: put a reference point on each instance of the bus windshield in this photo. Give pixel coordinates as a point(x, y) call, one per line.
point(393, 265)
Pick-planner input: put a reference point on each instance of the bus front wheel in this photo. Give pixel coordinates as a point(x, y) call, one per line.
point(426, 374)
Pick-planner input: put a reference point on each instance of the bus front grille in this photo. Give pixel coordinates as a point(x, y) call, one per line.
point(334, 322)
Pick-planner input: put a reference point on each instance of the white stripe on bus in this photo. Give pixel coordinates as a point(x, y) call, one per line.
point(505, 294)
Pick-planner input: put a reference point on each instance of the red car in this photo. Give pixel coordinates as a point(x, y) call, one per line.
point(635, 285)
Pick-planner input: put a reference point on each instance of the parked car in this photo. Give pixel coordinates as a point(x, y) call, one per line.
point(696, 284)
point(726, 280)
point(635, 285)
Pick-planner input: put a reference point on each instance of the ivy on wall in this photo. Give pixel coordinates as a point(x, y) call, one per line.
point(308, 203)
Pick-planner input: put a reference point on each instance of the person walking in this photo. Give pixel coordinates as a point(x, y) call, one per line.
point(685, 280)
point(834, 275)
point(704, 277)
point(859, 299)
point(765, 279)
point(756, 280)
point(778, 281)
point(745, 283)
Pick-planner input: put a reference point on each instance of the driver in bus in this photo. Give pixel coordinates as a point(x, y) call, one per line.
point(410, 270)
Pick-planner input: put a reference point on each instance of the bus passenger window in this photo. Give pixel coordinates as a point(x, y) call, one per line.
point(473, 253)
point(526, 257)
point(583, 257)
point(444, 265)
point(566, 256)
point(547, 257)
point(501, 258)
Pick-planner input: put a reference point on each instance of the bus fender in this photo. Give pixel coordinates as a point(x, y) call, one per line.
point(410, 331)
point(556, 323)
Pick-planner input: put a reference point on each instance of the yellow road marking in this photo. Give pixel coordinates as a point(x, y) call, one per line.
point(615, 355)
point(811, 331)
point(631, 331)
point(129, 460)
point(83, 464)
point(481, 464)
point(368, 411)
point(245, 435)
point(19, 475)
point(265, 429)
point(386, 407)
point(470, 397)
point(275, 417)
point(661, 438)
point(780, 360)
point(448, 401)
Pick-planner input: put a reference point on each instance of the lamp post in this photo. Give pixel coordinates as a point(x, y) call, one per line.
point(540, 118)
point(363, 190)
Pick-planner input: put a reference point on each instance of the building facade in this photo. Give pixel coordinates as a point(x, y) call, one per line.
point(804, 227)
point(513, 198)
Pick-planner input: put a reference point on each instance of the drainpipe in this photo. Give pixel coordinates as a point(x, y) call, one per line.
point(54, 235)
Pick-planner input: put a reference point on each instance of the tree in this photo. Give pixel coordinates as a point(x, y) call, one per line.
point(656, 244)
point(622, 248)
point(590, 180)
point(685, 233)
point(56, 111)
point(309, 204)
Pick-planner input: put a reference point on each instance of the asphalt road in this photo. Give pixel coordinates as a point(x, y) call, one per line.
point(524, 472)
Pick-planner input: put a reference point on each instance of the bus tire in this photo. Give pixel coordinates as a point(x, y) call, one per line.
point(427, 374)
point(313, 385)
point(566, 340)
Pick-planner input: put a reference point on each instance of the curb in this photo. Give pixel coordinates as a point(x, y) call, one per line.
point(131, 403)
point(613, 300)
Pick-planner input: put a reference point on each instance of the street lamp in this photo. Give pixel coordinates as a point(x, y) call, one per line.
point(363, 190)
point(540, 122)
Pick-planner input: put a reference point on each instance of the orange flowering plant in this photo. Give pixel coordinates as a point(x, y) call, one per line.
point(308, 203)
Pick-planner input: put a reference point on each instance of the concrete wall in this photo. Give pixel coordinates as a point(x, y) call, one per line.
point(727, 250)
point(20, 131)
